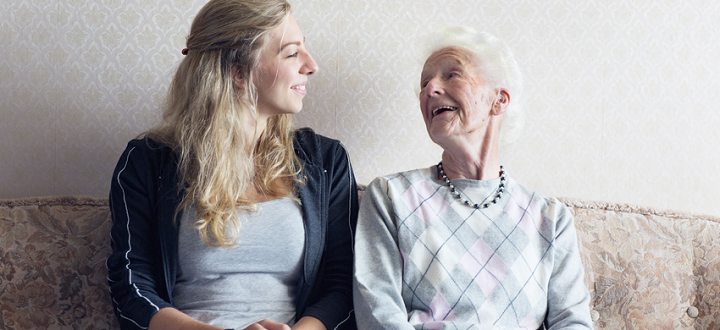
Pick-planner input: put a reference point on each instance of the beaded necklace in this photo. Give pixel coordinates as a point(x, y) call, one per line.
point(501, 189)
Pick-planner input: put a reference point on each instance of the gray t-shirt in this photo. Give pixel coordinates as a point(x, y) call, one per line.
point(256, 279)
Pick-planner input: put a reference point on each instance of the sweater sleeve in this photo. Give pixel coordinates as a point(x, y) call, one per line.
point(568, 299)
point(377, 285)
point(132, 265)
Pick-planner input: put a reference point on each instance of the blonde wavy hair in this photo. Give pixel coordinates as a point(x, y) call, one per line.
point(206, 117)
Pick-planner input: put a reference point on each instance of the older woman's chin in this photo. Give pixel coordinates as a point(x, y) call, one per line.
point(437, 131)
point(431, 134)
point(441, 140)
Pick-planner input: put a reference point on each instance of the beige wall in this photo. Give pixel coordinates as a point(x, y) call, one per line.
point(622, 98)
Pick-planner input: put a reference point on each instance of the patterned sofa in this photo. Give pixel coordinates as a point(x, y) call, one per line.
point(645, 269)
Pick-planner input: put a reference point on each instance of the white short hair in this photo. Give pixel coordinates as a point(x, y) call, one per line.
point(497, 66)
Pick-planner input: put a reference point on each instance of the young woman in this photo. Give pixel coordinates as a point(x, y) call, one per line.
point(223, 216)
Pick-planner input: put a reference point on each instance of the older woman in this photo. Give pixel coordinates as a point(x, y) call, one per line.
point(461, 245)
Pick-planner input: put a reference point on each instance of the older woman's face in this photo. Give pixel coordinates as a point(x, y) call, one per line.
point(454, 98)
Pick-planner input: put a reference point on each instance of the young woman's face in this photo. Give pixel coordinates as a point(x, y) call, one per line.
point(282, 71)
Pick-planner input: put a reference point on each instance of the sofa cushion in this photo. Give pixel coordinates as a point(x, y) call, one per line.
point(649, 269)
point(52, 264)
point(645, 268)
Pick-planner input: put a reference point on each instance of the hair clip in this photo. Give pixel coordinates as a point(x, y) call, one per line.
point(184, 51)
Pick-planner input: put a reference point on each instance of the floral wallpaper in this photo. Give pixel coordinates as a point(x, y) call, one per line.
point(621, 97)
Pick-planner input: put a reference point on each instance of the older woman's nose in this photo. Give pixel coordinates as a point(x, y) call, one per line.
point(433, 87)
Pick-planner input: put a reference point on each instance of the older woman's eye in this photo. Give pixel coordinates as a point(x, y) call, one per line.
point(452, 74)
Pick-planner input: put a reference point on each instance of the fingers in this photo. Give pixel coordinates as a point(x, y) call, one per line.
point(272, 325)
point(255, 326)
point(268, 325)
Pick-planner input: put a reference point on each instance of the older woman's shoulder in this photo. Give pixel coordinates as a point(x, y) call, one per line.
point(398, 183)
point(407, 178)
point(533, 201)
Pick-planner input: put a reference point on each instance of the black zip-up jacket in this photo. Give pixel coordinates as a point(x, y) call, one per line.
point(144, 196)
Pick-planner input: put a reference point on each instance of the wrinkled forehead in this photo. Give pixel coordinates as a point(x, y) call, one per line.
point(450, 56)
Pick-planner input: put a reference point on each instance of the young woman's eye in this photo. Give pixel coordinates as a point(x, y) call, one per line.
point(295, 54)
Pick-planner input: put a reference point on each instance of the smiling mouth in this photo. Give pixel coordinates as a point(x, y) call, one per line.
point(442, 109)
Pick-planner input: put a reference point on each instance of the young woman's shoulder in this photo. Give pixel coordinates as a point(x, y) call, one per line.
point(146, 143)
point(147, 152)
point(306, 136)
point(316, 148)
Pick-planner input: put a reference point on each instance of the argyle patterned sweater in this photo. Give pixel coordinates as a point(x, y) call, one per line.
point(424, 260)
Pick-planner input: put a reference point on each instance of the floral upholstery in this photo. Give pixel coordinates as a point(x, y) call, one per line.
point(648, 269)
point(645, 269)
point(52, 264)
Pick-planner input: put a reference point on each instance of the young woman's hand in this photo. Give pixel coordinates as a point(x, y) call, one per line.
point(268, 325)
point(309, 323)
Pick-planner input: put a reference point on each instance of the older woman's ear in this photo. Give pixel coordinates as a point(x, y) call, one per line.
point(501, 103)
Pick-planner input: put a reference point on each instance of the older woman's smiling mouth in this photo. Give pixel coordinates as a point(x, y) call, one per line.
point(442, 109)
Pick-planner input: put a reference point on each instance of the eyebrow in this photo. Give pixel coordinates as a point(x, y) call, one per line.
point(296, 43)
